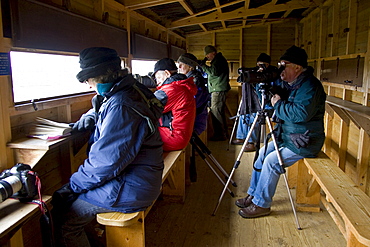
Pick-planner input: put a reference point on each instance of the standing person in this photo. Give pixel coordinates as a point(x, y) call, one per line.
point(218, 86)
point(188, 66)
point(250, 105)
point(123, 171)
point(300, 131)
point(176, 92)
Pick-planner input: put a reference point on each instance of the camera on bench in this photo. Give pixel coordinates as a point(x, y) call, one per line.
point(18, 182)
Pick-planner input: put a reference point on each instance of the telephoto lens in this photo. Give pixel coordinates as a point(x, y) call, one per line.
point(9, 186)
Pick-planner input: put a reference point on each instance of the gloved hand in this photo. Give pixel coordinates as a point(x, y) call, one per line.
point(64, 197)
point(300, 140)
point(86, 122)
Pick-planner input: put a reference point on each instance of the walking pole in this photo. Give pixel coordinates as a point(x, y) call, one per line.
point(236, 117)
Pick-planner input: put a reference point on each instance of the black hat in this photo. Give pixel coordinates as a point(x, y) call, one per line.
point(263, 57)
point(96, 61)
point(189, 59)
point(295, 55)
point(164, 64)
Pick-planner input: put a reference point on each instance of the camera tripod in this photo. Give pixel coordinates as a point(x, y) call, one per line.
point(263, 118)
point(204, 152)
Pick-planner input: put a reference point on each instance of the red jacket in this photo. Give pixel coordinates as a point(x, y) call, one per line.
point(176, 125)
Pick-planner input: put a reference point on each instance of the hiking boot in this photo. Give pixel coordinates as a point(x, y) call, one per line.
point(238, 142)
point(244, 202)
point(250, 147)
point(254, 211)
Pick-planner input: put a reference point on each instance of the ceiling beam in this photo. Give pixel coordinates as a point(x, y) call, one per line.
point(188, 9)
point(140, 4)
point(243, 13)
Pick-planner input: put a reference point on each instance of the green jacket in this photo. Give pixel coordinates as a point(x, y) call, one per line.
point(303, 110)
point(218, 74)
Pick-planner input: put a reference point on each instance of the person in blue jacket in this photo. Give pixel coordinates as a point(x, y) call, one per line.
point(123, 171)
point(299, 131)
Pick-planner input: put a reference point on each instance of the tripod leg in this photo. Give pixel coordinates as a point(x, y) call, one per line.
point(192, 167)
point(284, 175)
point(208, 152)
point(209, 165)
point(237, 162)
point(235, 124)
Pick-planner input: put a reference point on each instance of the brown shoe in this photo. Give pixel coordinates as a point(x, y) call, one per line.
point(250, 147)
point(238, 142)
point(244, 202)
point(254, 211)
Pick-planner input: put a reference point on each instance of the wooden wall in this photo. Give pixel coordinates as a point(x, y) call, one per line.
point(336, 38)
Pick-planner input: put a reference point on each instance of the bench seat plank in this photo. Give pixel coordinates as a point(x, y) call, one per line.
point(133, 233)
point(352, 204)
point(13, 214)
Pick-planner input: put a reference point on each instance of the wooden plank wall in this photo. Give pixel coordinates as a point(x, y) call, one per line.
point(339, 32)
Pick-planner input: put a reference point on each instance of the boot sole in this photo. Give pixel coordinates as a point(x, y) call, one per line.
point(254, 216)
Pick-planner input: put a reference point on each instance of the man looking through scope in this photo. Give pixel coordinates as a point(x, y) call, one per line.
point(299, 131)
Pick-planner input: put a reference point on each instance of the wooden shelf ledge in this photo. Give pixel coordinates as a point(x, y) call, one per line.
point(348, 110)
point(31, 150)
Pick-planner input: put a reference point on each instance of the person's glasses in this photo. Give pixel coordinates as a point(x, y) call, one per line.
point(283, 65)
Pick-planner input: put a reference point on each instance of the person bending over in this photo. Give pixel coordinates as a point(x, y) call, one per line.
point(176, 92)
point(299, 131)
point(123, 171)
point(188, 66)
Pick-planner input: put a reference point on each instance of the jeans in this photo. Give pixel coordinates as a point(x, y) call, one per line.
point(244, 126)
point(69, 231)
point(263, 184)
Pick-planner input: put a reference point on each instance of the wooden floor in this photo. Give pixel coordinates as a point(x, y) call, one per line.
point(191, 224)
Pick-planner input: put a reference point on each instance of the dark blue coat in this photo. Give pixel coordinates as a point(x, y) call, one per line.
point(124, 169)
point(303, 110)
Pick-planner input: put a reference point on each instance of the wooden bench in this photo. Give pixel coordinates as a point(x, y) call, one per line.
point(347, 204)
point(13, 215)
point(128, 229)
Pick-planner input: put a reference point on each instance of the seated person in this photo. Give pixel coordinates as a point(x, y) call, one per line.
point(176, 92)
point(299, 131)
point(188, 66)
point(123, 171)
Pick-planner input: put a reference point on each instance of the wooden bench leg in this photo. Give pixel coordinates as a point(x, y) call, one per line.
point(308, 191)
point(130, 236)
point(175, 183)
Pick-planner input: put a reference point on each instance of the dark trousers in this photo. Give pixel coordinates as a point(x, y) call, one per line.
point(218, 106)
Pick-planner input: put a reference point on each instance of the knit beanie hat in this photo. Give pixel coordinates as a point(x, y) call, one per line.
point(263, 57)
point(209, 48)
point(188, 59)
point(96, 61)
point(295, 55)
point(164, 64)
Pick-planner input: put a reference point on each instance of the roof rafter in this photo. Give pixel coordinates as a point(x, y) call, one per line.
point(140, 4)
point(242, 13)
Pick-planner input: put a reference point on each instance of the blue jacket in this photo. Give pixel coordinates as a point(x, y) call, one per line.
point(202, 97)
point(303, 110)
point(123, 171)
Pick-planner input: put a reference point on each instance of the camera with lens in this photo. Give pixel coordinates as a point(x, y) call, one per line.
point(257, 75)
point(18, 182)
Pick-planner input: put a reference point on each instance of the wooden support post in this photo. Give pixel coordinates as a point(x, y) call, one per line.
point(305, 202)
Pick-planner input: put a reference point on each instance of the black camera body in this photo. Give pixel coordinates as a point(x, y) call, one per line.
point(18, 182)
point(257, 75)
